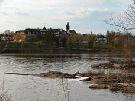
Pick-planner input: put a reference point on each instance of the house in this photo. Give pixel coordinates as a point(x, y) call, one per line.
point(7, 37)
point(72, 32)
point(54, 36)
point(101, 38)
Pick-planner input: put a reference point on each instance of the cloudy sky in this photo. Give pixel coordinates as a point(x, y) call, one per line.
point(84, 15)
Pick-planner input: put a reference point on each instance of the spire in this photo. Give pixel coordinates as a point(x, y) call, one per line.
point(44, 28)
point(67, 26)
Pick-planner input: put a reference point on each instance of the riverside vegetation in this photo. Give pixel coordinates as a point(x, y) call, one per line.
point(71, 43)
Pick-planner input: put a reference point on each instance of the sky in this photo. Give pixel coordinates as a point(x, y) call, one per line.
point(84, 15)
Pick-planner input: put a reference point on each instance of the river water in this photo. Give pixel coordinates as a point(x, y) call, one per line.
point(31, 88)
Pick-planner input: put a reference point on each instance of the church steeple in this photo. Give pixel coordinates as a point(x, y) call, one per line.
point(44, 28)
point(67, 27)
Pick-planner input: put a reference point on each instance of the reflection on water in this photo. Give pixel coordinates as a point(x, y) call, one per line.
point(30, 88)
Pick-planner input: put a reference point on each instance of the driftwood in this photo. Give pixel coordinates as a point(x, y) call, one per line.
point(50, 74)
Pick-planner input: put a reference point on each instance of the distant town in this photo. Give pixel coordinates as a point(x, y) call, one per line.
point(49, 38)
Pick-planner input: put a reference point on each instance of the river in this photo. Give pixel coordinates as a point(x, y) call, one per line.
point(32, 88)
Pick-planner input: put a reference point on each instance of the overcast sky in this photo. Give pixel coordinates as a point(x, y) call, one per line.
point(84, 15)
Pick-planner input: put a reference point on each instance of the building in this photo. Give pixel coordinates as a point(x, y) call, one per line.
point(101, 38)
point(68, 29)
point(7, 37)
point(56, 37)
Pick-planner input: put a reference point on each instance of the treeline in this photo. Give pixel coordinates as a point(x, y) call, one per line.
point(112, 40)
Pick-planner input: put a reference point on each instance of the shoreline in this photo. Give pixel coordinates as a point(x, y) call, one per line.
point(66, 51)
point(81, 55)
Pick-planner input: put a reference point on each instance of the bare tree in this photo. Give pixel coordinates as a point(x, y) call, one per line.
point(124, 21)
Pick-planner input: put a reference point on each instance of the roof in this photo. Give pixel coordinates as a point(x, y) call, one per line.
point(72, 31)
point(101, 36)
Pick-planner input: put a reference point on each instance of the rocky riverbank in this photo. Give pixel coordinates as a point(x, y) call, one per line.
point(116, 64)
point(124, 83)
